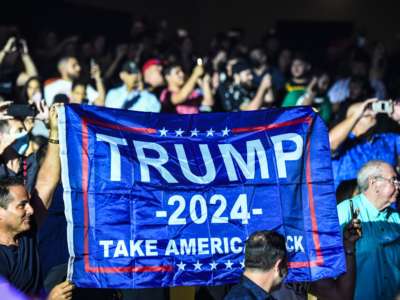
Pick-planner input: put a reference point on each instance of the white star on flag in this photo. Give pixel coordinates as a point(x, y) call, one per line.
point(242, 264)
point(225, 132)
point(181, 266)
point(213, 265)
point(194, 132)
point(228, 264)
point(179, 132)
point(163, 132)
point(197, 265)
point(210, 132)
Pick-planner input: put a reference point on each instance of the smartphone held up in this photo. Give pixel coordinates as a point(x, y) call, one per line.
point(383, 106)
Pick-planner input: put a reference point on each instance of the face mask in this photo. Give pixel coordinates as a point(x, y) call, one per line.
point(20, 144)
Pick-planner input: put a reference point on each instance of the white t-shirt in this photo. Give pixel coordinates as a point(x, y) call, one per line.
point(134, 100)
point(61, 86)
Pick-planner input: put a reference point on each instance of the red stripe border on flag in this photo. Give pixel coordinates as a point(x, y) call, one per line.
point(168, 268)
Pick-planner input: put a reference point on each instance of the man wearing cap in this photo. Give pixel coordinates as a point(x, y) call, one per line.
point(152, 76)
point(239, 95)
point(130, 95)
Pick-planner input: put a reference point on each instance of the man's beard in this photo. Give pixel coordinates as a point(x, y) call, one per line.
point(247, 85)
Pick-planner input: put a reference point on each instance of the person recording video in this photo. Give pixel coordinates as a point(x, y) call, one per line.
point(182, 96)
point(359, 133)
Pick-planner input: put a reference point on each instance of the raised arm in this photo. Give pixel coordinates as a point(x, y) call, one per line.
point(309, 96)
point(339, 133)
point(96, 75)
point(120, 54)
point(9, 47)
point(208, 98)
point(183, 94)
point(258, 99)
point(49, 172)
point(29, 65)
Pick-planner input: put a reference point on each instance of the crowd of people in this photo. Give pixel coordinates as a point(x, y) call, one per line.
point(159, 69)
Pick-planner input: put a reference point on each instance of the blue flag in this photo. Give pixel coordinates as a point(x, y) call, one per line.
point(158, 200)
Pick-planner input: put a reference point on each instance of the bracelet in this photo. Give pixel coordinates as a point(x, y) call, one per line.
point(52, 141)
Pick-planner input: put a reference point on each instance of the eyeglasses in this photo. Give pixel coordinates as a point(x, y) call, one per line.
point(394, 180)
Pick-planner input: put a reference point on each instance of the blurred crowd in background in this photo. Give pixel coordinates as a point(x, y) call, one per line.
point(157, 68)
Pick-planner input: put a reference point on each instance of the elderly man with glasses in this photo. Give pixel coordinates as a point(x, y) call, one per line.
point(377, 252)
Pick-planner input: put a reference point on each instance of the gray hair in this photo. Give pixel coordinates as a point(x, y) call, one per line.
point(370, 169)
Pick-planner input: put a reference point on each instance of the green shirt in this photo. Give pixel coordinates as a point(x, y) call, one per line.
point(324, 107)
point(292, 97)
point(377, 251)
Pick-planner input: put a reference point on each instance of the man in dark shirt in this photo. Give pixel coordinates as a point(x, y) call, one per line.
point(239, 94)
point(21, 214)
point(19, 261)
point(265, 262)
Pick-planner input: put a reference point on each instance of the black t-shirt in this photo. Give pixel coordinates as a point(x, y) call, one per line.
point(190, 106)
point(20, 264)
point(233, 96)
point(248, 290)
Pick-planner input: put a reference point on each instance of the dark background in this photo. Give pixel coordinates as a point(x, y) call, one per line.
point(300, 21)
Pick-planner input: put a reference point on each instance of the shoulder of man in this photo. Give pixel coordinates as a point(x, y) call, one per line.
point(344, 211)
point(146, 93)
point(52, 81)
point(393, 214)
point(111, 92)
point(27, 241)
point(116, 89)
point(5, 263)
point(54, 87)
point(57, 85)
point(239, 291)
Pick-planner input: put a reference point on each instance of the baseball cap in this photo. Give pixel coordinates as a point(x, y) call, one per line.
point(151, 62)
point(130, 67)
point(240, 66)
